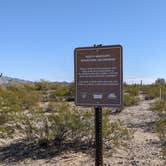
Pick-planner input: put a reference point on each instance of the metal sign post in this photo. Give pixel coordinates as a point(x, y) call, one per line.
point(98, 137)
point(98, 82)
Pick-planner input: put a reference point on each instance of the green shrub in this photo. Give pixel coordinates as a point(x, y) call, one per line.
point(161, 129)
point(114, 135)
point(153, 91)
point(3, 118)
point(59, 122)
point(16, 97)
point(6, 131)
point(66, 124)
point(14, 100)
point(42, 85)
point(132, 90)
point(130, 100)
point(159, 107)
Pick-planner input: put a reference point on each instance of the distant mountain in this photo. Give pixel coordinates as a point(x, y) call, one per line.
point(62, 83)
point(6, 80)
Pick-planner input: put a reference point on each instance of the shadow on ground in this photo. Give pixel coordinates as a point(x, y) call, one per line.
point(22, 150)
point(146, 127)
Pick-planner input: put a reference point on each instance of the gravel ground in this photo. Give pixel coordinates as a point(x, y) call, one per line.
point(143, 149)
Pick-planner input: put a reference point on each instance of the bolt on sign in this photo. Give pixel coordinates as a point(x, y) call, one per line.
point(98, 76)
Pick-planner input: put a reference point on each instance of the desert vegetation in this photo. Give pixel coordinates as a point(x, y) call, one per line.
point(43, 115)
point(39, 113)
point(160, 108)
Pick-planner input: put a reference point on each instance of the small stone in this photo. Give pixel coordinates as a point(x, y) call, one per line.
point(120, 162)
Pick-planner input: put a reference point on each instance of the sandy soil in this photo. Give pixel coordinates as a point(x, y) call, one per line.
point(143, 149)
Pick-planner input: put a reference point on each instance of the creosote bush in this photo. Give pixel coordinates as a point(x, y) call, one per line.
point(160, 108)
point(114, 135)
point(67, 124)
point(60, 122)
point(15, 99)
point(132, 90)
point(130, 100)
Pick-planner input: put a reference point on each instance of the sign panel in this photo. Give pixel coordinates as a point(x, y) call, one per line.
point(98, 76)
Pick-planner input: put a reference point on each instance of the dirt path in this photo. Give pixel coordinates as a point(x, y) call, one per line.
point(143, 149)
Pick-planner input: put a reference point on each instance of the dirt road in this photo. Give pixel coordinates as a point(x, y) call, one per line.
point(144, 148)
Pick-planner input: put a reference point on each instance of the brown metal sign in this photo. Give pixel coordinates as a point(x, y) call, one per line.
point(98, 76)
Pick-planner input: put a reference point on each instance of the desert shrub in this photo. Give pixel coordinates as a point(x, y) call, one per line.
point(161, 129)
point(163, 95)
point(53, 96)
point(160, 108)
point(132, 90)
point(14, 99)
point(60, 93)
point(42, 85)
point(55, 125)
point(65, 124)
point(70, 90)
point(3, 118)
point(114, 134)
point(153, 91)
point(61, 90)
point(130, 100)
point(6, 131)
point(59, 122)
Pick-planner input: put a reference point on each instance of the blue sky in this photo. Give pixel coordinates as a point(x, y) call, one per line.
point(37, 37)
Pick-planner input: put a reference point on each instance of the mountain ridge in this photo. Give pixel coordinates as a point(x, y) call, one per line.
point(6, 80)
